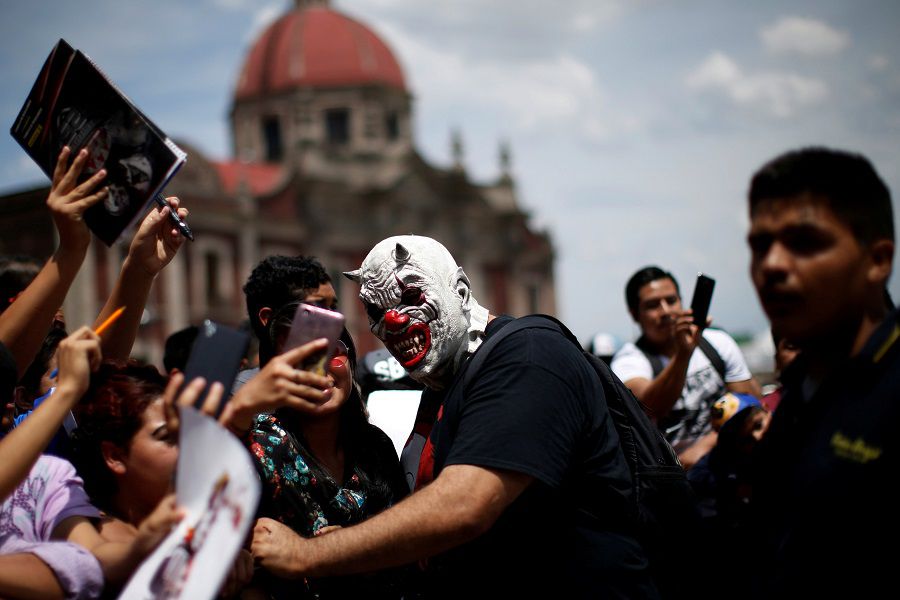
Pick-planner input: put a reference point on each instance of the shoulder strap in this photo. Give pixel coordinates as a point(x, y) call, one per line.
point(529, 322)
point(713, 355)
point(705, 346)
point(654, 360)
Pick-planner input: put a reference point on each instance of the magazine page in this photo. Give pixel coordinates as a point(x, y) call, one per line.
point(73, 104)
point(218, 488)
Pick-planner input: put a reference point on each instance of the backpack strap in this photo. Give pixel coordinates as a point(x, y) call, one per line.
point(529, 322)
point(705, 347)
point(713, 355)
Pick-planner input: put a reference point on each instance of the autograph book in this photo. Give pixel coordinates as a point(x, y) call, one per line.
point(73, 103)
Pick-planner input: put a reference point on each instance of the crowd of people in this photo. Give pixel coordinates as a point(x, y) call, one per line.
point(519, 484)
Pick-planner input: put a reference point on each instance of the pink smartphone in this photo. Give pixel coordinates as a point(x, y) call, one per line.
point(311, 323)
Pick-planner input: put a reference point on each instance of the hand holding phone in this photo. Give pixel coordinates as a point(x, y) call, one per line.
point(311, 323)
point(702, 296)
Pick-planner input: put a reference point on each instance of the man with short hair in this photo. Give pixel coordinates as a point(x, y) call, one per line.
point(676, 368)
point(822, 246)
point(529, 491)
point(280, 282)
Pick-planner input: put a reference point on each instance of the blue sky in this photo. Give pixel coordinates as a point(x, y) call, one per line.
point(634, 126)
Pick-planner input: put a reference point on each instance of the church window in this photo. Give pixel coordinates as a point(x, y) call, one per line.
point(392, 125)
point(272, 135)
point(337, 125)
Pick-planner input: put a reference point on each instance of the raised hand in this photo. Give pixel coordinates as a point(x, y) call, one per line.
point(156, 241)
point(68, 200)
point(78, 356)
point(172, 399)
point(280, 384)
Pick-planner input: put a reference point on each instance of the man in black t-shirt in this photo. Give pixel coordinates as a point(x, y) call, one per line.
point(522, 487)
point(822, 245)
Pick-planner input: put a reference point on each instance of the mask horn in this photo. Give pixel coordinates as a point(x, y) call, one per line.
point(353, 275)
point(401, 254)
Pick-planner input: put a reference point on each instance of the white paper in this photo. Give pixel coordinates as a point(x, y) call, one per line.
point(394, 412)
point(218, 488)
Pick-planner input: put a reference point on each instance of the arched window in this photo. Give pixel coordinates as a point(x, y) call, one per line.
point(272, 136)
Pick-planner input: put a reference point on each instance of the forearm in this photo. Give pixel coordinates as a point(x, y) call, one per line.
point(700, 448)
point(749, 386)
point(460, 505)
point(131, 290)
point(26, 322)
point(660, 394)
point(118, 561)
point(22, 446)
point(25, 576)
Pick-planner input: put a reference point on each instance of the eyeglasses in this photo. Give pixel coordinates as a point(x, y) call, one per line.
point(340, 349)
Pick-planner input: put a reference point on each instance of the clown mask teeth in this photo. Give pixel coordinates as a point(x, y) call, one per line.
point(411, 346)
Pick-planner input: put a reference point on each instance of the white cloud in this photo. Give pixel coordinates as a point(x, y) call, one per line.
point(556, 94)
point(262, 18)
point(807, 37)
point(879, 62)
point(776, 93)
point(233, 5)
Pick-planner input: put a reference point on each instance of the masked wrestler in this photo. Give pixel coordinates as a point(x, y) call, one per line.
point(528, 487)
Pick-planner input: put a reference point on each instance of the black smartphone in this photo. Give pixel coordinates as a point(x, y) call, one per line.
point(702, 296)
point(216, 356)
point(311, 323)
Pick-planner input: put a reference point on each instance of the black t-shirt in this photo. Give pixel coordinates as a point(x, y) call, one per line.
point(536, 407)
point(826, 508)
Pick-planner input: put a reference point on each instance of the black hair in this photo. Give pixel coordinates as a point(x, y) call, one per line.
point(31, 380)
point(275, 282)
point(178, 348)
point(357, 438)
point(847, 182)
point(16, 273)
point(111, 410)
point(639, 280)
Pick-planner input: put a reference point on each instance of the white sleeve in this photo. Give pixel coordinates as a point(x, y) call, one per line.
point(736, 368)
point(630, 363)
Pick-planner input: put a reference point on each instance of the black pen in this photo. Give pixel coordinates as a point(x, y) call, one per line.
point(173, 216)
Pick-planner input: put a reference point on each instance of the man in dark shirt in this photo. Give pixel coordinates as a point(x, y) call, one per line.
point(528, 487)
point(822, 245)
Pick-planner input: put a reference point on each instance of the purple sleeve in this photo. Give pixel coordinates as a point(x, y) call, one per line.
point(77, 570)
point(65, 497)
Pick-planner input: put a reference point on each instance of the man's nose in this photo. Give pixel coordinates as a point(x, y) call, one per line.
point(666, 306)
point(395, 321)
point(776, 261)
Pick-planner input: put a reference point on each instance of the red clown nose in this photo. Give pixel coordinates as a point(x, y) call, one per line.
point(395, 321)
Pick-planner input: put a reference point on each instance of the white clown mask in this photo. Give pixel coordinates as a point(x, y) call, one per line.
point(420, 305)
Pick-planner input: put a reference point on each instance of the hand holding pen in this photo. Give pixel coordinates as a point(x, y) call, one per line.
point(176, 220)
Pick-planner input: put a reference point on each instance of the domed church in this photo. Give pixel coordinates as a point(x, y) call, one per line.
point(324, 163)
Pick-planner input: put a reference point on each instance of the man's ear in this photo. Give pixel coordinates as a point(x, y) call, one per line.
point(114, 457)
point(881, 253)
point(264, 314)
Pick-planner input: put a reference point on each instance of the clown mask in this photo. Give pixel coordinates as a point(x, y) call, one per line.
point(420, 305)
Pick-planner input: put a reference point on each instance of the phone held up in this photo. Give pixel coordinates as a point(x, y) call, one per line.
point(702, 296)
point(216, 356)
point(311, 323)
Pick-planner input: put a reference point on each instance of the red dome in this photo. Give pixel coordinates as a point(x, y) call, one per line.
point(316, 47)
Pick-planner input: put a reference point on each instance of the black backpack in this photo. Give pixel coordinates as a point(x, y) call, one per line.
point(664, 506)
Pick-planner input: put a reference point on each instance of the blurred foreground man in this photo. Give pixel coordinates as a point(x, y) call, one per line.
point(822, 245)
point(529, 487)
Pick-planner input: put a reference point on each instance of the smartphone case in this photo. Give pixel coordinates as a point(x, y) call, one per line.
point(216, 356)
point(311, 323)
